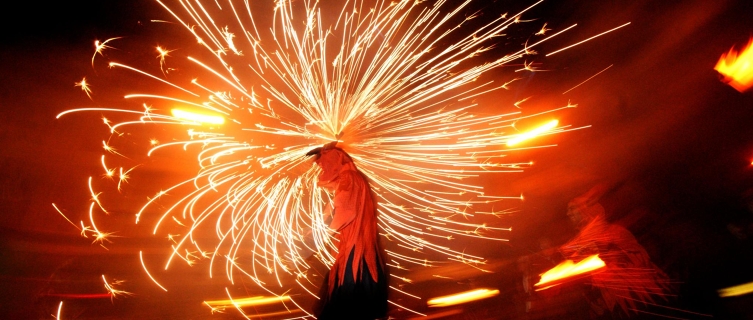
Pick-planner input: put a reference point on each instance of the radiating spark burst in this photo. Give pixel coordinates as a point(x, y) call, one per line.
point(391, 82)
point(99, 47)
point(85, 87)
point(114, 292)
point(163, 53)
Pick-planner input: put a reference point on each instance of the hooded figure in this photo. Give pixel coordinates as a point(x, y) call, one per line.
point(356, 285)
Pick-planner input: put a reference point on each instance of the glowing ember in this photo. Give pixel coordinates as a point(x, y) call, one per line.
point(737, 69)
point(463, 297)
point(568, 269)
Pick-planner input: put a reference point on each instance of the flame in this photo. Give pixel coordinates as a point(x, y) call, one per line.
point(568, 269)
point(737, 69)
point(533, 133)
point(462, 297)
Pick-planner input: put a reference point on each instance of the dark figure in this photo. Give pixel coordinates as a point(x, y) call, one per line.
point(356, 285)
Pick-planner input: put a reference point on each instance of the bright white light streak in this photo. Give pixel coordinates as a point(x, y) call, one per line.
point(141, 257)
point(591, 38)
point(196, 117)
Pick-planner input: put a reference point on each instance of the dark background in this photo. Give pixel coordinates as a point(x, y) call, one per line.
point(671, 141)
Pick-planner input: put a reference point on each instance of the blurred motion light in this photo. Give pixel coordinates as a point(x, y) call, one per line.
point(247, 302)
point(197, 117)
point(462, 297)
point(739, 290)
point(533, 133)
point(568, 268)
point(737, 69)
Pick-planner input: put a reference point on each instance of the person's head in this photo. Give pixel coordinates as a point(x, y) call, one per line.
point(332, 160)
point(583, 210)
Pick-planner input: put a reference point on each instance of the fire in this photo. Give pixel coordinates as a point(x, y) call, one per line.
point(737, 69)
point(568, 269)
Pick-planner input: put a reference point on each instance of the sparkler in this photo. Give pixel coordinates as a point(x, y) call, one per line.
point(392, 82)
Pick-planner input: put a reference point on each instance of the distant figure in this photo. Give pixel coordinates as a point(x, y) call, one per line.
point(356, 285)
point(629, 276)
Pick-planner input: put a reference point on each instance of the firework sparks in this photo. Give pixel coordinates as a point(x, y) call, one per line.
point(99, 48)
point(392, 84)
point(110, 287)
point(85, 87)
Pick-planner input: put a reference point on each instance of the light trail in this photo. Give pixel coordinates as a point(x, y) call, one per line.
point(737, 290)
point(589, 39)
point(593, 76)
point(141, 258)
point(568, 269)
point(463, 297)
point(533, 133)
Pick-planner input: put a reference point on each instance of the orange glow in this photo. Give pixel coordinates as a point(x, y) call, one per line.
point(737, 69)
point(247, 302)
point(196, 117)
point(462, 297)
point(738, 290)
point(533, 133)
point(568, 268)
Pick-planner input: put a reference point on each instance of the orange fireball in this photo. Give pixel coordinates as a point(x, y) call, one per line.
point(737, 69)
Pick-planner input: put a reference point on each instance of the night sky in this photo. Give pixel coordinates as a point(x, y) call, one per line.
point(671, 141)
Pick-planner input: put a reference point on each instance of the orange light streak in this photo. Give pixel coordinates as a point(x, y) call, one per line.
point(737, 68)
point(463, 297)
point(735, 291)
point(568, 269)
point(247, 302)
point(533, 133)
